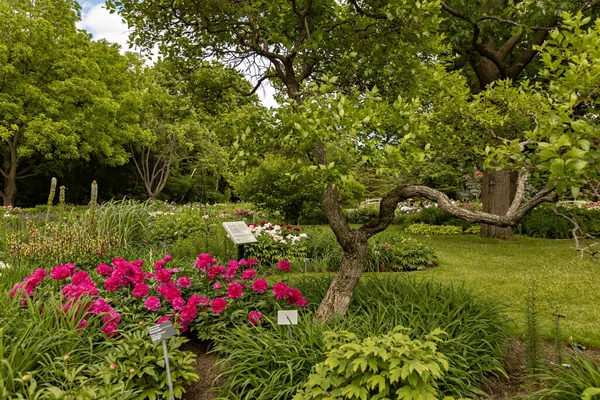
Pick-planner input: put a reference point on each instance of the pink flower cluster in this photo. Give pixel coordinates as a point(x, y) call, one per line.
point(290, 294)
point(28, 285)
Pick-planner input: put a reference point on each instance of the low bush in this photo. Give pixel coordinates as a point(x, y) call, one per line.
point(361, 215)
point(377, 367)
point(258, 361)
point(424, 229)
point(542, 222)
point(392, 253)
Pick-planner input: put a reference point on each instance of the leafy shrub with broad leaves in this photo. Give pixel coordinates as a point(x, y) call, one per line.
point(276, 242)
point(263, 363)
point(378, 367)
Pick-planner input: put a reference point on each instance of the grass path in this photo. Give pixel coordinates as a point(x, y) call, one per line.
point(503, 271)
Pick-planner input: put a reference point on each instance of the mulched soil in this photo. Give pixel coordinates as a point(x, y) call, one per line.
point(206, 388)
point(517, 384)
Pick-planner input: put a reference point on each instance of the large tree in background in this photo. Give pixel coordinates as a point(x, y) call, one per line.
point(62, 96)
point(371, 87)
point(494, 41)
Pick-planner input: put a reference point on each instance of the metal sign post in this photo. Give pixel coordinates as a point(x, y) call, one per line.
point(160, 333)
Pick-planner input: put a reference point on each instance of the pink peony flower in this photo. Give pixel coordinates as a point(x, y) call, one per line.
point(82, 324)
point(233, 263)
point(100, 306)
point(40, 274)
point(80, 277)
point(204, 261)
point(260, 285)
point(60, 272)
point(189, 312)
point(194, 300)
point(167, 258)
point(104, 270)
point(112, 283)
point(216, 271)
point(178, 303)
point(255, 317)
point(184, 282)
point(169, 291)
point(294, 296)
point(234, 291)
point(152, 303)
point(218, 305)
point(163, 319)
point(249, 274)
point(159, 264)
point(217, 286)
point(252, 262)
point(284, 265)
point(163, 275)
point(140, 290)
point(281, 291)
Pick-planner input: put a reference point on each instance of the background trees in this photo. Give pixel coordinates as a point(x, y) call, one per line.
point(62, 97)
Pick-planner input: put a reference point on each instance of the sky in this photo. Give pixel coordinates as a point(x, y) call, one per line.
point(103, 25)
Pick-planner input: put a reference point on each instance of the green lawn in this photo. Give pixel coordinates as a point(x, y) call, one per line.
point(503, 271)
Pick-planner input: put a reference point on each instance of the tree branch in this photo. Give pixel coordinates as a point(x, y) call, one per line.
point(361, 11)
point(513, 216)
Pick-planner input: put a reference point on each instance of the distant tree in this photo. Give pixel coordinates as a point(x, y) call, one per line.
point(62, 96)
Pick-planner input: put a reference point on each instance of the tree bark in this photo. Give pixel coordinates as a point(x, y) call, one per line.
point(338, 297)
point(497, 193)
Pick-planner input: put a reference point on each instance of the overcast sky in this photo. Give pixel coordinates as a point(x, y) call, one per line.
point(103, 25)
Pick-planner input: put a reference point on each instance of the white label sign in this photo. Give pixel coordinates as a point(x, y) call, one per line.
point(287, 317)
point(239, 232)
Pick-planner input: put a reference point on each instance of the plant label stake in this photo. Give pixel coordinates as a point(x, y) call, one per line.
point(289, 318)
point(161, 332)
point(240, 234)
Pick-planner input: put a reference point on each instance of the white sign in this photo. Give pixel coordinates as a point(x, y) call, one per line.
point(287, 317)
point(162, 331)
point(239, 232)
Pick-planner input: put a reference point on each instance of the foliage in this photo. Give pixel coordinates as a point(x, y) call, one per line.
point(569, 383)
point(391, 253)
point(44, 354)
point(68, 98)
point(255, 360)
point(79, 241)
point(543, 222)
point(276, 242)
point(128, 220)
point(377, 367)
point(424, 229)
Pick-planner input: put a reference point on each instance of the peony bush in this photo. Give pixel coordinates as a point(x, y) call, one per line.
point(205, 298)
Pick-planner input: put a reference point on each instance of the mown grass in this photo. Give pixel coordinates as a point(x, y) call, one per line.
point(503, 271)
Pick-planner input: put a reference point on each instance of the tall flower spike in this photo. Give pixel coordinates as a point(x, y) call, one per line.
point(53, 183)
point(94, 195)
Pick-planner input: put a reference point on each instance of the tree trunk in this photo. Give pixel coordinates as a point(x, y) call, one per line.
point(497, 192)
point(337, 299)
point(9, 193)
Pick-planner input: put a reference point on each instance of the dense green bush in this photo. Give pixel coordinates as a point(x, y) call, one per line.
point(361, 215)
point(425, 229)
point(259, 361)
point(390, 252)
point(544, 223)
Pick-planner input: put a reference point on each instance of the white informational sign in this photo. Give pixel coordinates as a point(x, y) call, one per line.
point(287, 317)
point(239, 232)
point(162, 331)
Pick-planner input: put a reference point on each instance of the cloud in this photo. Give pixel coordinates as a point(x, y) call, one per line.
point(103, 25)
point(96, 19)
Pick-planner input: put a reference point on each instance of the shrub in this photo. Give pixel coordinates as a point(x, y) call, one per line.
point(424, 229)
point(391, 253)
point(276, 242)
point(361, 215)
point(544, 223)
point(475, 331)
point(377, 367)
